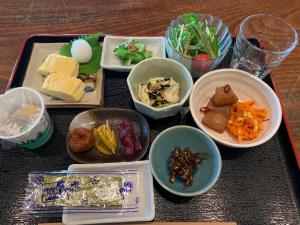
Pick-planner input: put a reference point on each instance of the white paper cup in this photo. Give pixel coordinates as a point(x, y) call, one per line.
point(40, 131)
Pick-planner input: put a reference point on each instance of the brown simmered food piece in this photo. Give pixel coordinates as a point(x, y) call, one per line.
point(218, 109)
point(81, 140)
point(215, 119)
point(224, 96)
point(225, 109)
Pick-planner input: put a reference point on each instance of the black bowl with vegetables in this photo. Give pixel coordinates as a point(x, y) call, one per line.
point(198, 41)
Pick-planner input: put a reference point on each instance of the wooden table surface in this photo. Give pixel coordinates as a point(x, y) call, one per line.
point(19, 19)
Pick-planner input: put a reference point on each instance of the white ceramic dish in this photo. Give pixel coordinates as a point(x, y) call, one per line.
point(34, 80)
point(145, 210)
point(246, 87)
point(110, 61)
point(167, 68)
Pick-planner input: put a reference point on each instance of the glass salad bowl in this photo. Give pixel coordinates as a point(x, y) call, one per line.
point(201, 63)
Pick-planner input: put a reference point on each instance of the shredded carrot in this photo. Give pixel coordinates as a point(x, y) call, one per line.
point(246, 122)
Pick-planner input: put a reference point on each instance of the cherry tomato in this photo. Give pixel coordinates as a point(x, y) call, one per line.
point(202, 57)
point(202, 63)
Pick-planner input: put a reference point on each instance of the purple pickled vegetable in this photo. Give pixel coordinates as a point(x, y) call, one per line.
point(127, 141)
point(128, 137)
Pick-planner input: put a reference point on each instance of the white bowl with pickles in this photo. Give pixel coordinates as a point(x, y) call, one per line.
point(159, 87)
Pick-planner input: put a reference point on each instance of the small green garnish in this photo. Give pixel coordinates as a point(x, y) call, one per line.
point(93, 65)
point(132, 52)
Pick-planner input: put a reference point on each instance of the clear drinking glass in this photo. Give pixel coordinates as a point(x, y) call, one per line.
point(276, 39)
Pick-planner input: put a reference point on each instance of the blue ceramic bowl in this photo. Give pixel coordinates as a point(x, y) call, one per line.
point(185, 136)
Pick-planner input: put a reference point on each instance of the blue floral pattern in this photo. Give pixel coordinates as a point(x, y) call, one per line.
point(39, 180)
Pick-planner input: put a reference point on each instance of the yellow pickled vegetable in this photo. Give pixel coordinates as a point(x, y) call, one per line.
point(99, 145)
point(106, 139)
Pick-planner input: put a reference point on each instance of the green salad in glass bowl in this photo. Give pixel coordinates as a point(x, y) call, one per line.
point(198, 41)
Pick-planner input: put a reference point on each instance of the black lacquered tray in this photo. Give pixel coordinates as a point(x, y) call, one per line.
point(258, 185)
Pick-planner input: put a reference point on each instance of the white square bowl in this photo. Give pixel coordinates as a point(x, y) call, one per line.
point(110, 60)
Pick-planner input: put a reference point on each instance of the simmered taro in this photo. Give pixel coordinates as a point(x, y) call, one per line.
point(218, 109)
point(183, 163)
point(226, 109)
point(216, 120)
point(224, 96)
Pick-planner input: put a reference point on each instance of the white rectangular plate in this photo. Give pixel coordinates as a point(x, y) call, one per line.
point(146, 209)
point(34, 80)
point(109, 59)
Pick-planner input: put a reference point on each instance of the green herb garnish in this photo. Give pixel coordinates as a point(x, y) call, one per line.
point(194, 37)
point(132, 52)
point(93, 65)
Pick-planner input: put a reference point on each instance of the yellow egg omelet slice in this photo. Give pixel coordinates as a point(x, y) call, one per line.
point(67, 88)
point(55, 63)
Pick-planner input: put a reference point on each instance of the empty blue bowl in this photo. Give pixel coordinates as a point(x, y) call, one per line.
point(185, 136)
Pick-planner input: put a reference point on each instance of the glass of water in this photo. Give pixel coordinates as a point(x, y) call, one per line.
point(275, 37)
